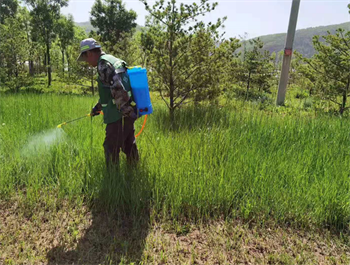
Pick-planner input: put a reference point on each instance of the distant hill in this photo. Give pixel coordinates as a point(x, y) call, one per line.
point(88, 27)
point(302, 41)
point(85, 25)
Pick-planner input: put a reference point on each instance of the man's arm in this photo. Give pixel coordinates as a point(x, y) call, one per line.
point(109, 76)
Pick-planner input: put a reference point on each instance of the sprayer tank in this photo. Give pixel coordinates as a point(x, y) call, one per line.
point(140, 90)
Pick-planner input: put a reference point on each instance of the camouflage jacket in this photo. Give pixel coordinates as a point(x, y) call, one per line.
point(112, 74)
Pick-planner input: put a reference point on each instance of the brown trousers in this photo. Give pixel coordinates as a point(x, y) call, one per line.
point(120, 136)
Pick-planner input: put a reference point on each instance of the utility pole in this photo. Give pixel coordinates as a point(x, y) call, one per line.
point(288, 51)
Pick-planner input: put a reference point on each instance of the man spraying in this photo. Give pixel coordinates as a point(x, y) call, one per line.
point(115, 101)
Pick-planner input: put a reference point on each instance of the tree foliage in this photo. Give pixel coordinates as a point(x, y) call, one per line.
point(331, 66)
point(14, 49)
point(112, 20)
point(128, 48)
point(8, 9)
point(187, 60)
point(45, 14)
point(257, 68)
point(65, 33)
point(184, 53)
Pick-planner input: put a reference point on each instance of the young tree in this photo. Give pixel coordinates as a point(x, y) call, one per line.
point(78, 72)
point(265, 72)
point(244, 41)
point(8, 9)
point(332, 65)
point(257, 69)
point(65, 33)
point(45, 14)
point(128, 48)
point(183, 51)
point(112, 20)
point(147, 45)
point(34, 47)
point(215, 58)
point(27, 29)
point(306, 76)
point(14, 51)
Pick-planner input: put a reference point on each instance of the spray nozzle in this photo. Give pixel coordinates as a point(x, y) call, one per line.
point(60, 125)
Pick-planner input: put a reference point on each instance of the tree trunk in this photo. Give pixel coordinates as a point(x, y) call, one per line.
point(171, 97)
point(345, 95)
point(31, 64)
point(171, 81)
point(342, 106)
point(68, 65)
point(16, 66)
point(38, 71)
point(45, 63)
point(172, 118)
point(248, 84)
point(31, 68)
point(62, 61)
point(16, 73)
point(48, 62)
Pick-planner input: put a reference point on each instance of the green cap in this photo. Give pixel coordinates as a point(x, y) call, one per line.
point(87, 45)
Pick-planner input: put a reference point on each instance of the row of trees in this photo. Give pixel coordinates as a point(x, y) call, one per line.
point(188, 60)
point(28, 36)
point(210, 64)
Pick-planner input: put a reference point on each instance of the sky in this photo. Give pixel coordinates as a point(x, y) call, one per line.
point(254, 17)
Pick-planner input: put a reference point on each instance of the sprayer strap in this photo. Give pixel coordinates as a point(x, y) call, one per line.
point(120, 70)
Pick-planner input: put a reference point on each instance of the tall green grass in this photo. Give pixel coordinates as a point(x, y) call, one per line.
point(233, 162)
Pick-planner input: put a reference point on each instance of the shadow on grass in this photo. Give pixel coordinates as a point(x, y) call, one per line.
point(120, 224)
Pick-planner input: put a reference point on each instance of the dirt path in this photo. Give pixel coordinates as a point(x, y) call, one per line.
point(66, 234)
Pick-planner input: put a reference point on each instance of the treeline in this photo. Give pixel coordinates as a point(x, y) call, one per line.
point(187, 59)
point(36, 40)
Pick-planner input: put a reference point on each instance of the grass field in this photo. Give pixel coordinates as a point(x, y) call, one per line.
point(229, 163)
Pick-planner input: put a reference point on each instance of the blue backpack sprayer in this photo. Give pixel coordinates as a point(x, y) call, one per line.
point(140, 91)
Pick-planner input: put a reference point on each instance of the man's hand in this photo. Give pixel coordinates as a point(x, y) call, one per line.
point(96, 110)
point(129, 111)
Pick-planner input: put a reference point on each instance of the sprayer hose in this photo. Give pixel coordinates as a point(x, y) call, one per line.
point(143, 126)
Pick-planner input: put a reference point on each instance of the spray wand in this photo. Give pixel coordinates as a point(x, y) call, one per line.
point(64, 123)
point(89, 115)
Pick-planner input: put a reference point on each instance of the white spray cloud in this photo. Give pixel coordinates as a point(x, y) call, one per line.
point(42, 142)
